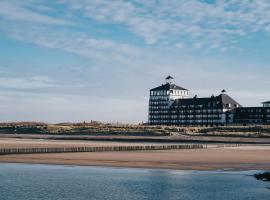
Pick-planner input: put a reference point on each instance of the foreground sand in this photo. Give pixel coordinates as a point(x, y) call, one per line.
point(235, 158)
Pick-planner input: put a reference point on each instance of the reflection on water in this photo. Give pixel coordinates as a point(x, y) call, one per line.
point(22, 181)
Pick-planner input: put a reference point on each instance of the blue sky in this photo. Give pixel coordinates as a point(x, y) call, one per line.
point(76, 60)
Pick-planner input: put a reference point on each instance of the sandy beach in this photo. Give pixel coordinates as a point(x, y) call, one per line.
point(35, 143)
point(247, 157)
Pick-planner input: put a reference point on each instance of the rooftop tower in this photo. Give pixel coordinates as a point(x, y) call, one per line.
point(161, 98)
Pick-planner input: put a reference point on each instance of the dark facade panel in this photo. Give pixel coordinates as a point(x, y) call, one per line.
point(192, 111)
point(252, 115)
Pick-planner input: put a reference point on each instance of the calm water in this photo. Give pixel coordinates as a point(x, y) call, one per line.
point(27, 182)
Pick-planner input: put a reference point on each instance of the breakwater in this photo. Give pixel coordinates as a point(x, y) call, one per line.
point(5, 151)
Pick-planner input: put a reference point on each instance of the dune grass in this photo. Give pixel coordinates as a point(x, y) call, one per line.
point(126, 129)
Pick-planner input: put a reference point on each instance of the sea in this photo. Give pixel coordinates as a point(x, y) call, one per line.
point(59, 182)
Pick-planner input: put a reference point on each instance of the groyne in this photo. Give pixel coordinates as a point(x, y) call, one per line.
point(5, 151)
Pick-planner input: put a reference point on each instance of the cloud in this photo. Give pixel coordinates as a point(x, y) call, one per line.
point(73, 42)
point(31, 82)
point(163, 20)
point(154, 21)
point(198, 45)
point(25, 82)
point(180, 45)
point(16, 10)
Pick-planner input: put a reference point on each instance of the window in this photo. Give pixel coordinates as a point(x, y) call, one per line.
point(228, 105)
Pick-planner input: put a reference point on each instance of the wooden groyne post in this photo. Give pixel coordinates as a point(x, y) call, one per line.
point(5, 151)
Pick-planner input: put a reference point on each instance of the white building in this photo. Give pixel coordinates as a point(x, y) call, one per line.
point(161, 98)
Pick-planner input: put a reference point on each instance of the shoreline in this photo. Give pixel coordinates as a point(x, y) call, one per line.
point(206, 169)
point(138, 168)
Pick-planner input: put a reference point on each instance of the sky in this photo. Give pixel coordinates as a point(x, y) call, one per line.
point(83, 60)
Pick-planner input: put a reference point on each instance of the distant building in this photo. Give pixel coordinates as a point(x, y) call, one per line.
point(169, 104)
point(202, 111)
point(253, 115)
point(266, 104)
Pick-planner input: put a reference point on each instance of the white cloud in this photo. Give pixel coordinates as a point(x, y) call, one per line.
point(180, 45)
point(198, 45)
point(77, 43)
point(24, 82)
point(152, 20)
point(163, 20)
point(31, 82)
point(16, 10)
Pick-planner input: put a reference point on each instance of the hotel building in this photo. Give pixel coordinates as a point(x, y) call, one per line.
point(169, 104)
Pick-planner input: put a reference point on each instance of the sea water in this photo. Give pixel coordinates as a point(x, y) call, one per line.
point(57, 182)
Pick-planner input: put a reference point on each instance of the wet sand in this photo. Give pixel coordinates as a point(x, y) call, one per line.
point(140, 139)
point(227, 158)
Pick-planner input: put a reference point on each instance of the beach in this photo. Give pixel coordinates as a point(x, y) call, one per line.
point(246, 157)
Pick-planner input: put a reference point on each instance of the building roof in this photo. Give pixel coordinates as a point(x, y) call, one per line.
point(266, 102)
point(168, 86)
point(221, 101)
point(226, 99)
point(169, 77)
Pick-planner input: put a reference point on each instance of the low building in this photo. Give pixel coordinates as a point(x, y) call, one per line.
point(252, 115)
point(202, 111)
point(266, 104)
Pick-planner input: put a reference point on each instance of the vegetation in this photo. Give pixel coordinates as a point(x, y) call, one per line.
point(233, 131)
point(94, 127)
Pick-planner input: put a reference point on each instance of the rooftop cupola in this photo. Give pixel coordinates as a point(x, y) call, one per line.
point(169, 79)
